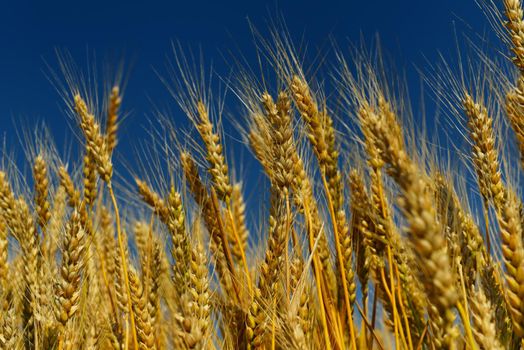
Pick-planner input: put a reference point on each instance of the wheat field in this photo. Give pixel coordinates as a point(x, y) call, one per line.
point(364, 232)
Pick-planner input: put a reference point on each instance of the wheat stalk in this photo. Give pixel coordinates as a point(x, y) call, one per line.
point(115, 101)
point(425, 232)
point(71, 270)
point(41, 190)
point(484, 329)
point(144, 326)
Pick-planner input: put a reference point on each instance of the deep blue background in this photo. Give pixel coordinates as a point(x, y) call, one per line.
point(411, 31)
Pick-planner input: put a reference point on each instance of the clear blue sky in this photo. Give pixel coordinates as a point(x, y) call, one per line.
point(141, 31)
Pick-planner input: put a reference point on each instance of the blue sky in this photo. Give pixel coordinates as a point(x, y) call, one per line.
point(141, 32)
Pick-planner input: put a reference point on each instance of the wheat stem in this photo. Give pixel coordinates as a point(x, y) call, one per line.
point(124, 262)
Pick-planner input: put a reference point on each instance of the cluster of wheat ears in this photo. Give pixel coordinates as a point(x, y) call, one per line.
point(364, 239)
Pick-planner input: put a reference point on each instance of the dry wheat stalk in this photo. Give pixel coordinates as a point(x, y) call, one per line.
point(308, 204)
point(96, 145)
point(271, 268)
point(153, 292)
point(255, 323)
point(107, 241)
point(238, 210)
point(321, 134)
point(69, 186)
point(89, 170)
point(73, 263)
point(281, 146)
point(513, 252)
point(55, 226)
point(41, 190)
point(485, 155)
point(25, 231)
point(197, 320)
point(144, 326)
point(483, 326)
point(115, 101)
point(122, 296)
point(515, 111)
point(9, 335)
point(4, 251)
point(7, 200)
point(515, 27)
point(384, 225)
point(301, 291)
point(141, 230)
point(181, 249)
point(425, 232)
point(153, 199)
point(216, 161)
point(361, 233)
point(309, 111)
point(471, 244)
point(212, 218)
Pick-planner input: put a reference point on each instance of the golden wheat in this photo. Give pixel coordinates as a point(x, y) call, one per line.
point(358, 237)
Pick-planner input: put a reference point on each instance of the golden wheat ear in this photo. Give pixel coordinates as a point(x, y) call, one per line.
point(144, 326)
point(484, 329)
point(41, 190)
point(96, 145)
point(72, 272)
point(67, 183)
point(4, 251)
point(153, 199)
point(214, 224)
point(115, 101)
point(425, 232)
